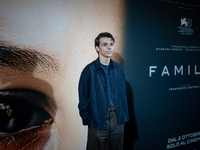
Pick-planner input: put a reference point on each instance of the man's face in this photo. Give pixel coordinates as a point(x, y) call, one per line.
point(105, 48)
point(41, 59)
point(9, 110)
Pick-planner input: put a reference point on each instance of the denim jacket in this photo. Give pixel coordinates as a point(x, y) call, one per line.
point(92, 98)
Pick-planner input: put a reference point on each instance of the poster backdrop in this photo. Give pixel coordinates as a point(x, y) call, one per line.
point(44, 46)
point(163, 74)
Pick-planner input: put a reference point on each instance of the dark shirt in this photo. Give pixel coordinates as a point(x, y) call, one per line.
point(92, 98)
point(108, 90)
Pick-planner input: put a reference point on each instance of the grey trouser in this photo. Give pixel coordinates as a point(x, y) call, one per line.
point(110, 139)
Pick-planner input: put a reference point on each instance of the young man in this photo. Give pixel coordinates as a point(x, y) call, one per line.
point(102, 98)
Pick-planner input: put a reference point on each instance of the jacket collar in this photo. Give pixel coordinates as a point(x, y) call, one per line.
point(98, 64)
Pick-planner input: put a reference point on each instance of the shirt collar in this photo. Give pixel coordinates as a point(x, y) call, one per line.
point(98, 64)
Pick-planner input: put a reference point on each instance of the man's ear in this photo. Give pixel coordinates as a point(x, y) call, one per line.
point(97, 48)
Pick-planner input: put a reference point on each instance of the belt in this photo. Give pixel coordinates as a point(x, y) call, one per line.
point(111, 109)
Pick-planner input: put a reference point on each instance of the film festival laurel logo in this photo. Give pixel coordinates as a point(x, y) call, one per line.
point(185, 27)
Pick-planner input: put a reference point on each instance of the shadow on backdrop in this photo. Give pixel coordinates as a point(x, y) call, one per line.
point(130, 131)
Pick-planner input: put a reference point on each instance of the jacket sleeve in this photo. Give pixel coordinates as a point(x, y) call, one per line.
point(84, 97)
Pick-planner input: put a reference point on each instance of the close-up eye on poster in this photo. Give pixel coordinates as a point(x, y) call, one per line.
point(99, 75)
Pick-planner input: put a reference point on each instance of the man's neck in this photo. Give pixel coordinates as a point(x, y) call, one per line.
point(104, 60)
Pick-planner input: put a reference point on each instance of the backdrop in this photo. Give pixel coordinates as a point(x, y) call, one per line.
point(45, 44)
point(163, 74)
